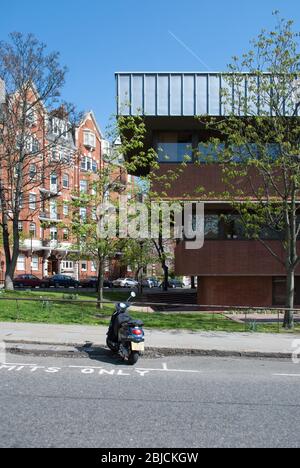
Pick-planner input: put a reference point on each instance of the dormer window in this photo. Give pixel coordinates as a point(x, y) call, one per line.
point(59, 127)
point(89, 139)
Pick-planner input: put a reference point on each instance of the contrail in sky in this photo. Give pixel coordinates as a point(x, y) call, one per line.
point(189, 50)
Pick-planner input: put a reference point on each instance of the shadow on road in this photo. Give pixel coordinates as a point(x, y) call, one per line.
point(101, 354)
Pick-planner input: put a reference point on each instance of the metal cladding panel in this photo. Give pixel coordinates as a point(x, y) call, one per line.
point(175, 95)
point(149, 95)
point(124, 95)
point(163, 95)
point(137, 99)
point(188, 94)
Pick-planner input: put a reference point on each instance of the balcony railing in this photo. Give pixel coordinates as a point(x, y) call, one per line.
point(50, 217)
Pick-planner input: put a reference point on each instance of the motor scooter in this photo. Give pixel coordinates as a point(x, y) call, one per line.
point(125, 335)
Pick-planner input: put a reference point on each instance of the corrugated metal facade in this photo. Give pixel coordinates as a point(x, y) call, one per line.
point(186, 94)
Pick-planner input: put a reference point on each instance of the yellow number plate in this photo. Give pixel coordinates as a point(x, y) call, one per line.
point(137, 346)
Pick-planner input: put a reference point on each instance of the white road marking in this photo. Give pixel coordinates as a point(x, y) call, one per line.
point(17, 364)
point(83, 367)
point(172, 370)
point(286, 375)
point(89, 370)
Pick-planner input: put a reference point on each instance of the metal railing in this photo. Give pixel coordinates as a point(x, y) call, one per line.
point(250, 317)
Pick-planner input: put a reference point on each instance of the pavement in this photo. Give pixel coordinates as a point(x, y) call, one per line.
point(83, 341)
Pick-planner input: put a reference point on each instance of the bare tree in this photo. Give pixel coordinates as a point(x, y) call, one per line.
point(34, 138)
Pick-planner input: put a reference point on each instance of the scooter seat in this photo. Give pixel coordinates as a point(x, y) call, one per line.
point(136, 323)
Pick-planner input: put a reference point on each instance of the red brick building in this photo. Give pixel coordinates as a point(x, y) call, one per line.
point(231, 269)
point(73, 159)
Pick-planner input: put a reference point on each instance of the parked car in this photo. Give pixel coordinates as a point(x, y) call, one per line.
point(173, 284)
point(150, 283)
point(125, 283)
point(92, 282)
point(30, 281)
point(63, 281)
point(155, 282)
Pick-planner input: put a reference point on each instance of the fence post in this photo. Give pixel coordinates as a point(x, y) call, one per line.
point(18, 314)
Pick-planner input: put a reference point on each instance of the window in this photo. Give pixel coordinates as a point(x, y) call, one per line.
point(35, 263)
point(66, 234)
point(209, 153)
point(65, 181)
point(53, 209)
point(89, 139)
point(31, 144)
point(94, 214)
point(66, 210)
point(211, 227)
point(66, 157)
point(54, 155)
point(21, 263)
point(53, 233)
point(17, 170)
point(67, 265)
point(32, 201)
point(174, 147)
point(32, 229)
point(83, 213)
point(83, 186)
point(93, 267)
point(53, 182)
point(83, 164)
point(94, 166)
point(88, 164)
point(20, 226)
point(32, 171)
point(35, 147)
point(84, 266)
point(59, 127)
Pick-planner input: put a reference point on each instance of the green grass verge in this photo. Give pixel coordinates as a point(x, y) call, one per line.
point(87, 314)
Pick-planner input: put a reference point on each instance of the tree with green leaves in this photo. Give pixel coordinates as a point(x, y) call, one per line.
point(88, 217)
point(143, 160)
point(257, 145)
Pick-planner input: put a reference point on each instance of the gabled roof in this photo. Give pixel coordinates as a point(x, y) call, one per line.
point(91, 115)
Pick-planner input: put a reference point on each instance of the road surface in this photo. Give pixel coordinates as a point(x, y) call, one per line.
point(182, 402)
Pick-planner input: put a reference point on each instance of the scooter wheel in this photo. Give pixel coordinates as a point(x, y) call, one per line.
point(110, 346)
point(133, 358)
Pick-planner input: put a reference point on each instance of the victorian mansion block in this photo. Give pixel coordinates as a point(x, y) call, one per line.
point(75, 158)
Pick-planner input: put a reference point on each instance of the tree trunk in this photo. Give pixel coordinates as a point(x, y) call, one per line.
point(9, 285)
point(139, 279)
point(288, 323)
point(166, 276)
point(9, 270)
point(100, 296)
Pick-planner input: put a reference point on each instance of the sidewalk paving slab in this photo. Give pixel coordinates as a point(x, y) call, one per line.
point(79, 339)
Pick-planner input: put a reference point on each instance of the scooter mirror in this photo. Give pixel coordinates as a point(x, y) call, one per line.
point(133, 294)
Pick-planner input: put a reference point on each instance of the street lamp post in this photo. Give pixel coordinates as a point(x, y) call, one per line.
point(31, 232)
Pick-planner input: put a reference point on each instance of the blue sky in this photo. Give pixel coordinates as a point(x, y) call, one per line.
point(96, 38)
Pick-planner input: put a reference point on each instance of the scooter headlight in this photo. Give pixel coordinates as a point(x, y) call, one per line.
point(123, 306)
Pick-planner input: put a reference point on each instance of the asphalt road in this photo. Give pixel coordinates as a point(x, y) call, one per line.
point(172, 402)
